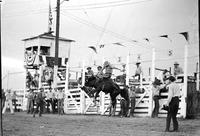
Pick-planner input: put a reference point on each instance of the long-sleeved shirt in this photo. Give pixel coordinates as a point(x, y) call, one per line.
point(138, 70)
point(174, 90)
point(60, 95)
point(156, 90)
point(178, 71)
point(49, 95)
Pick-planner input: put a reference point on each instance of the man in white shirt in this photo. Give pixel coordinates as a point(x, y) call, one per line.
point(60, 97)
point(172, 103)
point(8, 102)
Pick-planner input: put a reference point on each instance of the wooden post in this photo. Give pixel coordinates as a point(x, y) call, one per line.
point(197, 78)
point(152, 79)
point(66, 86)
point(184, 97)
point(127, 70)
point(82, 96)
point(102, 102)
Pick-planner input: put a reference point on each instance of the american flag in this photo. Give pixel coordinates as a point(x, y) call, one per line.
point(50, 18)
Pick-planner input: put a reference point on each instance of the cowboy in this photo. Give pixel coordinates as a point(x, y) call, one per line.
point(177, 69)
point(108, 70)
point(138, 70)
point(99, 72)
point(90, 72)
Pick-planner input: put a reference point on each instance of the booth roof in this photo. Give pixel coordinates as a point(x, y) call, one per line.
point(48, 36)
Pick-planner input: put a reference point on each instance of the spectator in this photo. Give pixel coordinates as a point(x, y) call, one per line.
point(8, 101)
point(60, 97)
point(177, 69)
point(3, 97)
point(90, 72)
point(39, 102)
point(30, 101)
point(132, 96)
point(123, 104)
point(14, 100)
point(172, 103)
point(49, 99)
point(156, 97)
point(138, 71)
point(54, 100)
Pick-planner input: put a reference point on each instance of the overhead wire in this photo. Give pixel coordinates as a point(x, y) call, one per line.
point(99, 28)
point(95, 6)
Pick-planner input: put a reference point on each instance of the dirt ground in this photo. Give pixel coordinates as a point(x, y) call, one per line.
point(22, 124)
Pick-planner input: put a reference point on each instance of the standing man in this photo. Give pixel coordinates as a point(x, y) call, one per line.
point(138, 71)
point(132, 96)
point(8, 102)
point(156, 97)
point(60, 97)
point(49, 100)
point(3, 97)
point(30, 101)
point(39, 102)
point(14, 100)
point(90, 72)
point(172, 103)
point(177, 69)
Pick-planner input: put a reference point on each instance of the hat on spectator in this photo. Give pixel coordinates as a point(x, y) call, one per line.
point(89, 68)
point(176, 63)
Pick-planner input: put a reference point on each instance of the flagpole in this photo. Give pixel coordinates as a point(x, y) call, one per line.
point(57, 43)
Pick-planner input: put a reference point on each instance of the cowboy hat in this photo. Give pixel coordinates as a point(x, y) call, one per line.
point(176, 63)
point(89, 68)
point(137, 63)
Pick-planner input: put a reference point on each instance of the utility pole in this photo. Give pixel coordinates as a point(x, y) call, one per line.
point(1, 123)
point(57, 42)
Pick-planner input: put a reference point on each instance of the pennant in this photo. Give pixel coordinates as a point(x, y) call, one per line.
point(146, 39)
point(117, 43)
point(134, 41)
point(164, 36)
point(93, 48)
point(185, 34)
point(101, 46)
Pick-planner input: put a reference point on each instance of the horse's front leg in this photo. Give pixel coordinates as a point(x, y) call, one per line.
point(96, 95)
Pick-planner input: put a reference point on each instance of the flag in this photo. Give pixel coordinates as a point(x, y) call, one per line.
point(101, 46)
point(185, 34)
point(93, 48)
point(50, 18)
point(117, 43)
point(146, 39)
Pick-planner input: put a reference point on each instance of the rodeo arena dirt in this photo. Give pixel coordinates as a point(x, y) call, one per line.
point(140, 78)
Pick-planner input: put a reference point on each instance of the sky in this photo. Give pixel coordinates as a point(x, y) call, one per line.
point(95, 22)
